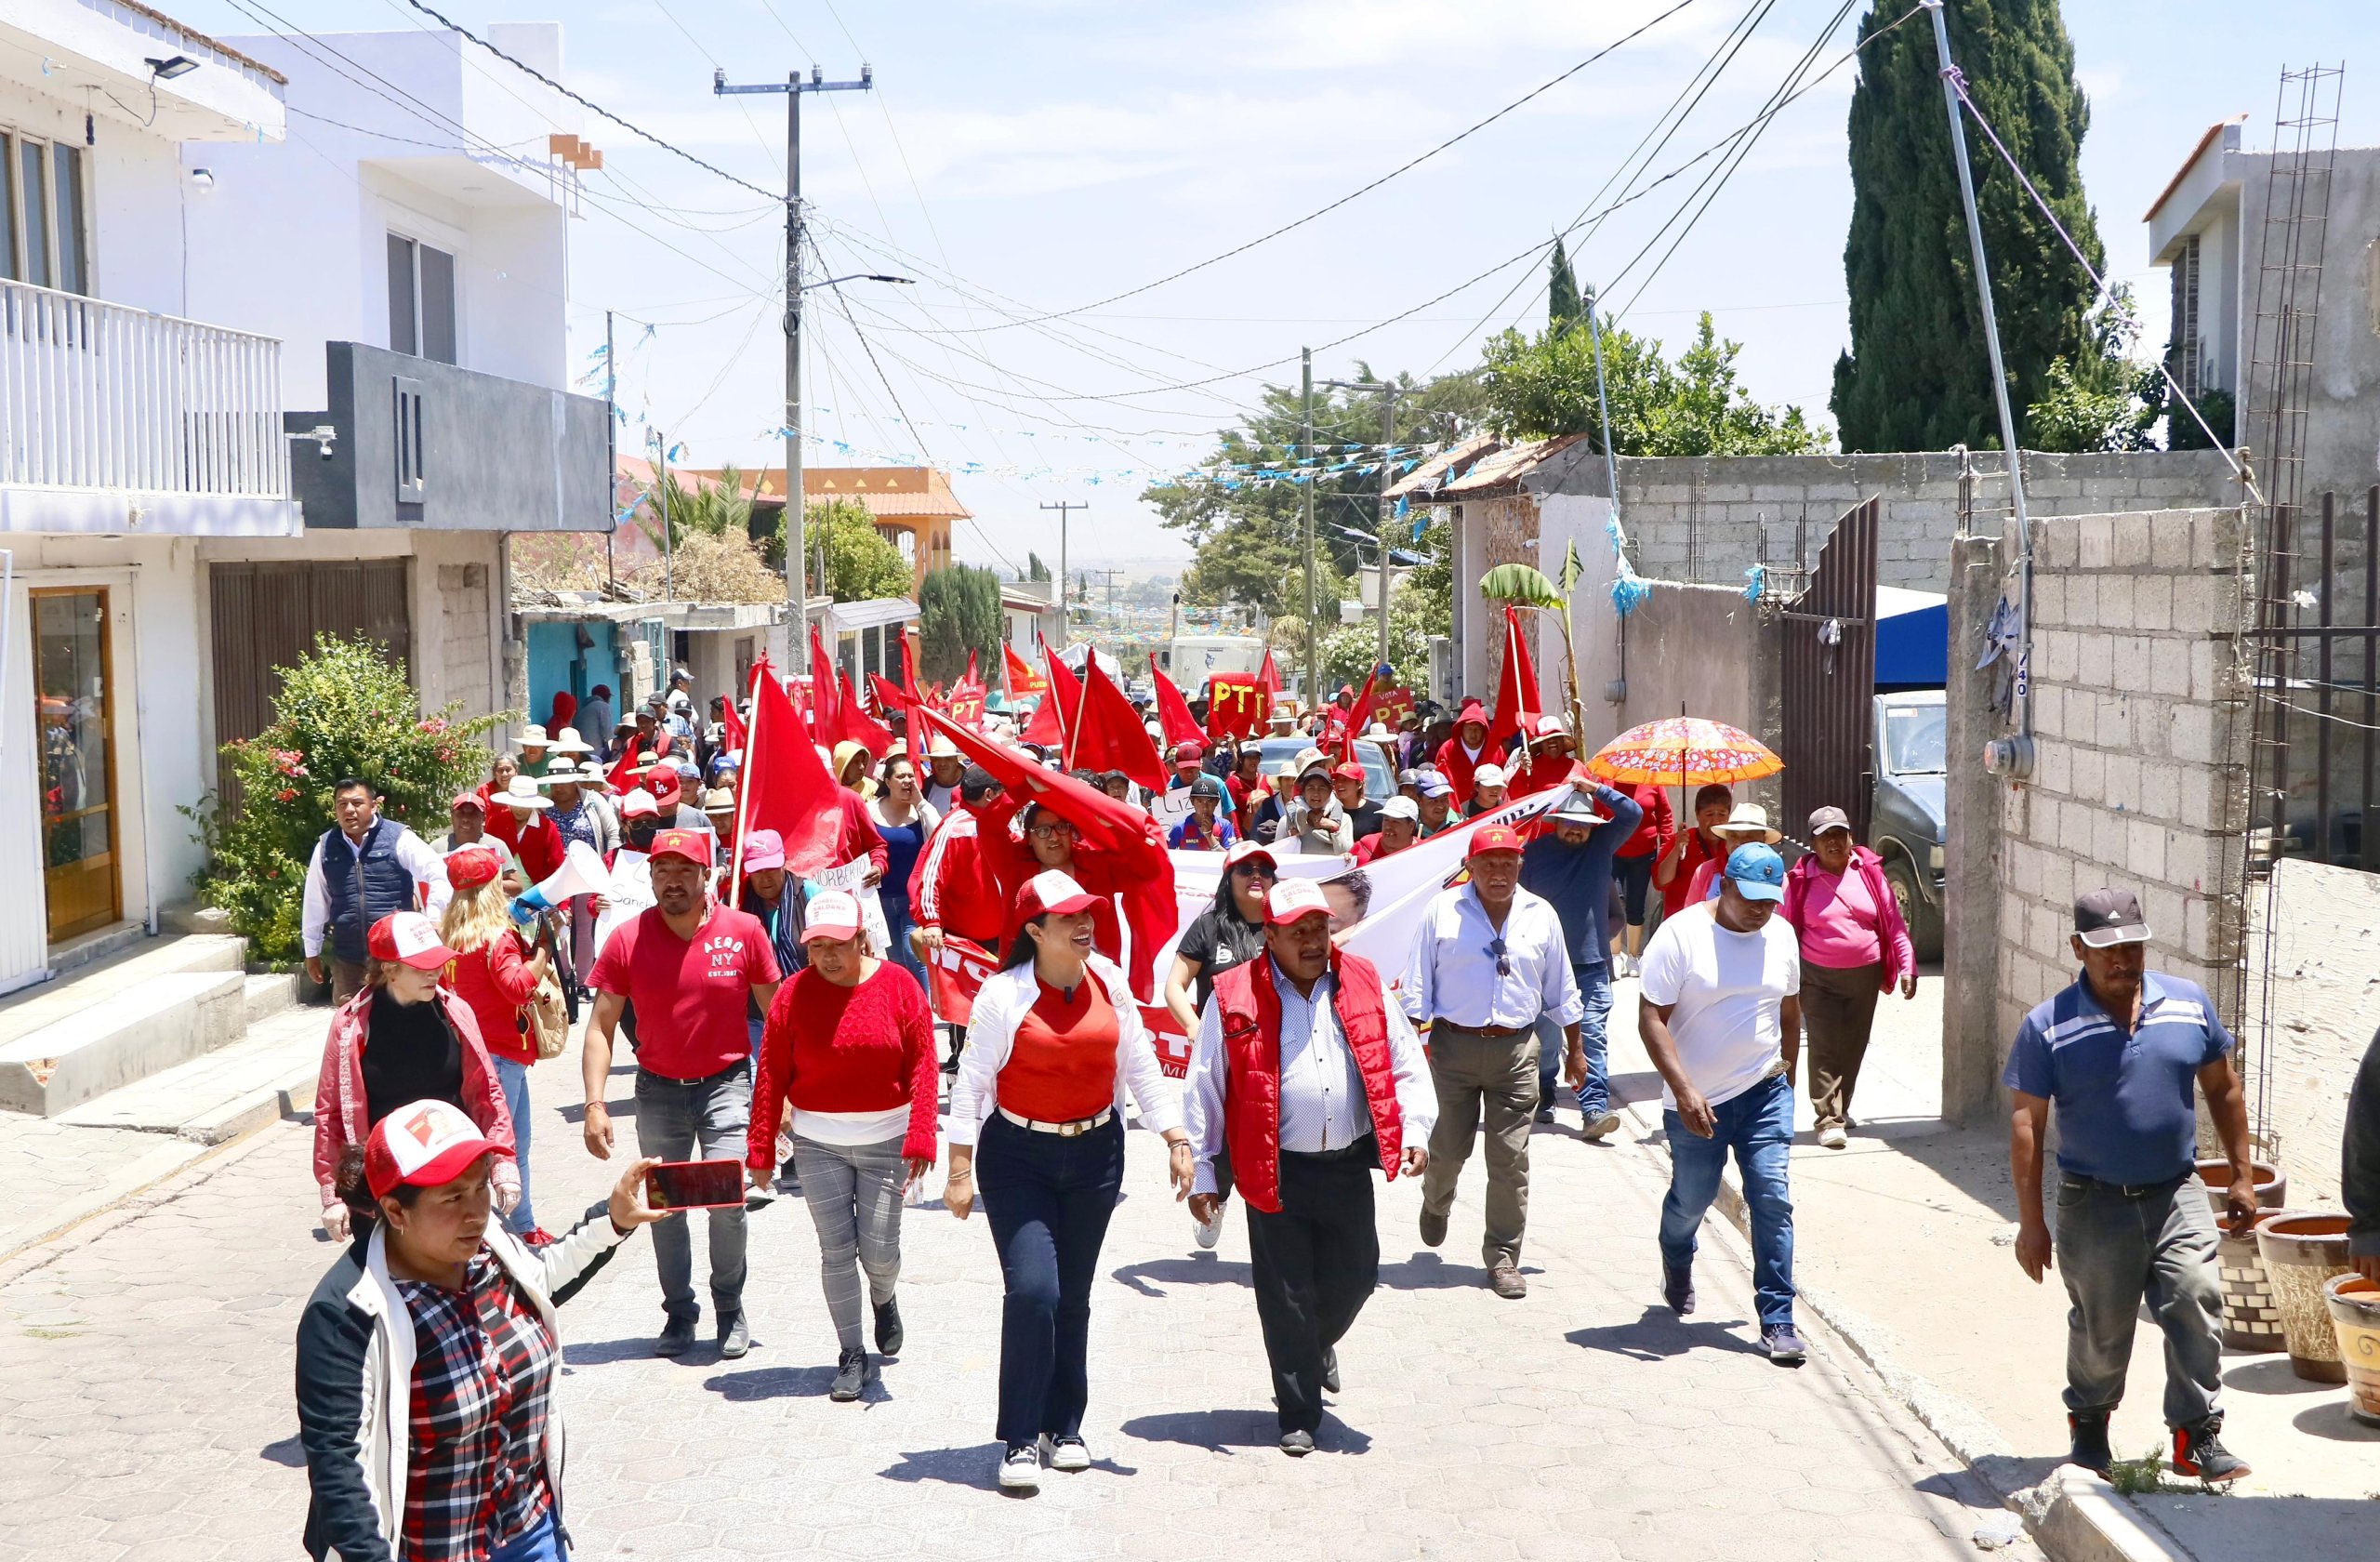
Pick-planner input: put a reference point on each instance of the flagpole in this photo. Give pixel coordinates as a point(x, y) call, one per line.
point(744, 789)
point(1082, 703)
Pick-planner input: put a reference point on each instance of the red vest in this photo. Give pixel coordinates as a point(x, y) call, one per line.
point(1250, 1011)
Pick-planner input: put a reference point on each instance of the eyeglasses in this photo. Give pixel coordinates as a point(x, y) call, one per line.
point(1054, 832)
point(1255, 869)
point(1503, 961)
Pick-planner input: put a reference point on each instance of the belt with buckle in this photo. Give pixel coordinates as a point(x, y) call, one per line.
point(2129, 1190)
point(1074, 1129)
point(1493, 1033)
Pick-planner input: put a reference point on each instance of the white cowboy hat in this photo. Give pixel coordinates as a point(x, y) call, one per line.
point(1752, 819)
point(534, 737)
point(568, 742)
point(521, 793)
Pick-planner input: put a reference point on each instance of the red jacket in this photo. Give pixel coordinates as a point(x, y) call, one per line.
point(1542, 773)
point(539, 847)
point(1655, 830)
point(951, 888)
point(1891, 931)
point(493, 983)
point(338, 1094)
point(1135, 884)
point(1250, 1011)
point(1457, 766)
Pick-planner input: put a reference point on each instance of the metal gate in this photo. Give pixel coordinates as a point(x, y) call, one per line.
point(266, 615)
point(1828, 738)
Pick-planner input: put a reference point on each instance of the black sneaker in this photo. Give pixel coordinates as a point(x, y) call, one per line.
point(1677, 1288)
point(677, 1337)
point(2198, 1451)
point(888, 1328)
point(1331, 1368)
point(2088, 1432)
point(851, 1376)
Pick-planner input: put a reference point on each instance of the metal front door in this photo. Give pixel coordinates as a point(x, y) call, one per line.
point(266, 616)
point(1828, 742)
point(75, 701)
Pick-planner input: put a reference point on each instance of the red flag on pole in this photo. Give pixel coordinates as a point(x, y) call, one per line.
point(786, 787)
point(966, 706)
point(1054, 720)
point(858, 725)
point(1110, 737)
point(1516, 703)
point(1173, 711)
point(732, 723)
point(825, 694)
point(1360, 714)
point(1268, 678)
point(1022, 678)
point(912, 738)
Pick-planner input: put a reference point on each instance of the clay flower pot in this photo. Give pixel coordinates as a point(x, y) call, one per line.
point(2354, 1302)
point(2251, 1318)
point(2302, 1249)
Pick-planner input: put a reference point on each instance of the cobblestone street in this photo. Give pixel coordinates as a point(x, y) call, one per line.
point(145, 1406)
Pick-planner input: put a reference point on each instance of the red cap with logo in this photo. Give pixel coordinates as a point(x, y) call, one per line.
point(1293, 898)
point(1351, 771)
point(429, 1144)
point(692, 845)
point(1494, 838)
point(472, 866)
point(1051, 892)
point(408, 938)
point(1189, 753)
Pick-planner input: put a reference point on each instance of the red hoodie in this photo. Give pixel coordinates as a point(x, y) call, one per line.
point(950, 888)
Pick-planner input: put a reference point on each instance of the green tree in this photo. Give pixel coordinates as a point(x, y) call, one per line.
point(344, 710)
point(1536, 386)
point(859, 566)
point(707, 509)
point(959, 611)
point(1034, 568)
point(2104, 400)
point(1562, 305)
point(1916, 376)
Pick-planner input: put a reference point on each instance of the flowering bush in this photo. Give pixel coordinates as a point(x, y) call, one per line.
point(346, 710)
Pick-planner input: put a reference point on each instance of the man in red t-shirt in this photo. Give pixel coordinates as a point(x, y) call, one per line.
point(689, 966)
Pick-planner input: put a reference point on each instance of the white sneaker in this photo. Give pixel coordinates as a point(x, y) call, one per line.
point(1833, 1136)
point(1068, 1454)
point(1021, 1469)
point(1209, 1232)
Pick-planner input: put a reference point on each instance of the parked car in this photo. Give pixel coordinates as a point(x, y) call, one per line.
point(1380, 781)
point(1905, 814)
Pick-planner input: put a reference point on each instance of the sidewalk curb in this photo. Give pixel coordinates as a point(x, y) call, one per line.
point(2072, 1515)
point(127, 1204)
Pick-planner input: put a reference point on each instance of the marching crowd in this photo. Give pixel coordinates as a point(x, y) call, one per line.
point(788, 1023)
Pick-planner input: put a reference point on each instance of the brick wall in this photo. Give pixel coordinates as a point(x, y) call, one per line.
point(2141, 737)
point(1705, 518)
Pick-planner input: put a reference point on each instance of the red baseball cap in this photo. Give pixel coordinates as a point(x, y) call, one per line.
point(1051, 891)
point(1293, 898)
point(468, 800)
point(1188, 753)
point(429, 1144)
point(696, 846)
point(831, 914)
point(1494, 838)
point(663, 783)
point(409, 938)
point(472, 866)
point(1351, 771)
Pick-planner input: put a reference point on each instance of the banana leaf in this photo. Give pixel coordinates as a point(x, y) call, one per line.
point(1521, 585)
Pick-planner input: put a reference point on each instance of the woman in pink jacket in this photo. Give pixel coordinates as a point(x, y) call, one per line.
point(403, 1038)
point(1855, 947)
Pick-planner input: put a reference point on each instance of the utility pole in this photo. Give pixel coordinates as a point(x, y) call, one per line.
point(1388, 393)
point(610, 455)
point(1065, 508)
point(660, 444)
point(1313, 631)
point(796, 588)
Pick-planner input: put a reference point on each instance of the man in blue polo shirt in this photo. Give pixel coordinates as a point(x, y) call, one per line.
point(2116, 1052)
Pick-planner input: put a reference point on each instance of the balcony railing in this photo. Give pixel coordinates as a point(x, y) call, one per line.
point(97, 396)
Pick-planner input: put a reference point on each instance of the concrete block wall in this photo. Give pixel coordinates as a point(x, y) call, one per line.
point(2315, 1016)
point(2141, 739)
point(1708, 519)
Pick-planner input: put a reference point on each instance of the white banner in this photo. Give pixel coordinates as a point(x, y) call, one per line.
point(630, 893)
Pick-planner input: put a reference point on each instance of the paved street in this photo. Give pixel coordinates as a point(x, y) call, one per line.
point(145, 1402)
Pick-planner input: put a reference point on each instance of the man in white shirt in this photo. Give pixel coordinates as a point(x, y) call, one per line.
point(1311, 1078)
point(363, 868)
point(1721, 1019)
point(1488, 960)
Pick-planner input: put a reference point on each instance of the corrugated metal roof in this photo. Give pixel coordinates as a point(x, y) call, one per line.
point(1496, 470)
point(1432, 474)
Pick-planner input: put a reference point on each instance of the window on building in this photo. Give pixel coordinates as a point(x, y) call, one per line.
point(43, 237)
point(2186, 366)
point(421, 300)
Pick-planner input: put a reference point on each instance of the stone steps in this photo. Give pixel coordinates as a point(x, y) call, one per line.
point(267, 1075)
point(121, 1020)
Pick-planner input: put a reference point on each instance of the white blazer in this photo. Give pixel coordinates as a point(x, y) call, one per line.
point(1000, 1007)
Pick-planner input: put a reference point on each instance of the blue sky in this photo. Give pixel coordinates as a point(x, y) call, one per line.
point(1021, 157)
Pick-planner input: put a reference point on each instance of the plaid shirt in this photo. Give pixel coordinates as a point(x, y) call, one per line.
point(483, 1384)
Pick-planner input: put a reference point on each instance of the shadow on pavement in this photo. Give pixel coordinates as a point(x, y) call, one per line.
point(289, 1453)
point(1428, 1271)
point(1196, 1270)
point(976, 1466)
point(786, 1382)
point(596, 1353)
point(2331, 1420)
point(622, 1110)
point(1224, 1431)
point(2273, 1375)
point(1661, 1334)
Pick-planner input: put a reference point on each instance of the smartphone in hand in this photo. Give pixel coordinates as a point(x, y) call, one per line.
point(694, 1184)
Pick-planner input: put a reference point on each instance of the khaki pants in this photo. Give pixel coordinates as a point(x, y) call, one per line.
point(1838, 1014)
point(1497, 1075)
point(347, 977)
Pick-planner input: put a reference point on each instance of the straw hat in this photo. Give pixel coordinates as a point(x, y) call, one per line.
point(1750, 821)
point(567, 741)
point(521, 793)
point(534, 737)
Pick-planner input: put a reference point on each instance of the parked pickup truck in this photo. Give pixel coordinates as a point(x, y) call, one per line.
point(1905, 820)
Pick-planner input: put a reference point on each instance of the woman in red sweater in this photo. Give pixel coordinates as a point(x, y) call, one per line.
point(848, 1044)
point(494, 977)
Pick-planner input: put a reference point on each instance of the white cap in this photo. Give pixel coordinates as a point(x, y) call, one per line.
point(1489, 776)
point(1401, 807)
point(831, 914)
point(1292, 898)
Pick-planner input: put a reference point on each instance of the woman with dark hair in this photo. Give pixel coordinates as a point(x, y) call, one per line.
point(1226, 933)
point(906, 820)
point(403, 1038)
point(1132, 889)
point(428, 1354)
point(1054, 1044)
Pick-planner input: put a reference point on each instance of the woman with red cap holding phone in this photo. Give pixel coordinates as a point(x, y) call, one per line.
point(1054, 1044)
point(402, 1039)
point(849, 1046)
point(496, 976)
point(428, 1354)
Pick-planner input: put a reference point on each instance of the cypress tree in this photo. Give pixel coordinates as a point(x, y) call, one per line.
point(1917, 376)
point(1562, 304)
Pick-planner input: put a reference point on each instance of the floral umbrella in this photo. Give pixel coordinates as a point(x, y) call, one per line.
point(1683, 751)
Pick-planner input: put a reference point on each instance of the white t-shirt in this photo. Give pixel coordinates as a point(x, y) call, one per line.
point(1728, 989)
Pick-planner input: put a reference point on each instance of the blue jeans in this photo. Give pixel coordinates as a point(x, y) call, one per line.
point(697, 1119)
point(542, 1544)
point(897, 924)
point(1049, 1200)
point(1594, 990)
point(1758, 1126)
point(514, 1077)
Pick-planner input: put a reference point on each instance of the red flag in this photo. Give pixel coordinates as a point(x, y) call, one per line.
point(955, 975)
point(733, 722)
point(1268, 678)
point(1237, 706)
point(1053, 720)
point(858, 725)
point(966, 706)
point(825, 694)
point(1022, 678)
point(1353, 724)
point(1516, 692)
point(1109, 735)
point(624, 776)
point(911, 736)
point(786, 787)
point(1173, 711)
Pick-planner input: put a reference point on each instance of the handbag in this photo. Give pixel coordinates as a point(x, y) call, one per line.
point(545, 1019)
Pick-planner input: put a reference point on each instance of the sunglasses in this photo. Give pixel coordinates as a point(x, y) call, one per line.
point(1503, 957)
point(1255, 869)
